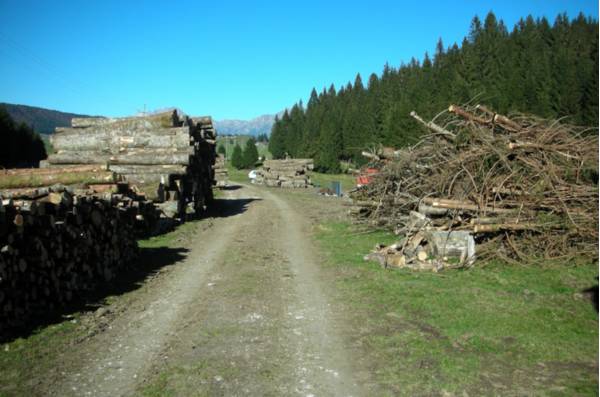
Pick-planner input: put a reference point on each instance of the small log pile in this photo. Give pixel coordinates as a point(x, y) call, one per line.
point(57, 242)
point(525, 189)
point(221, 174)
point(168, 156)
point(291, 173)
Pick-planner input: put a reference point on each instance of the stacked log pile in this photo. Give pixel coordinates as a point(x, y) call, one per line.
point(57, 242)
point(292, 173)
point(221, 174)
point(523, 189)
point(168, 156)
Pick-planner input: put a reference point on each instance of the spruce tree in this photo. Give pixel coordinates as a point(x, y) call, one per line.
point(250, 154)
point(549, 70)
point(236, 157)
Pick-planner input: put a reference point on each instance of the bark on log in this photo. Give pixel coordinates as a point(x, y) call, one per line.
point(56, 170)
point(469, 116)
point(34, 179)
point(148, 169)
point(114, 140)
point(139, 156)
point(507, 123)
point(80, 122)
point(160, 120)
point(431, 125)
point(463, 205)
point(504, 226)
point(24, 193)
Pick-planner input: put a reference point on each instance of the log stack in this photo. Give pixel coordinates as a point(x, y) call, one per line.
point(57, 241)
point(221, 174)
point(169, 156)
point(290, 173)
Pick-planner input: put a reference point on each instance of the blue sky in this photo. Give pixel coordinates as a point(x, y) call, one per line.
point(223, 58)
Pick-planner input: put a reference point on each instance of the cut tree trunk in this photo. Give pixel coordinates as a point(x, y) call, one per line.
point(138, 156)
point(78, 139)
point(45, 178)
point(463, 205)
point(160, 120)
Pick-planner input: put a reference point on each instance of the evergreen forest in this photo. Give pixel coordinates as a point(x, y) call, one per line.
point(537, 67)
point(21, 146)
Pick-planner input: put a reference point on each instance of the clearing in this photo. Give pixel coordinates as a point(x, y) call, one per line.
point(270, 296)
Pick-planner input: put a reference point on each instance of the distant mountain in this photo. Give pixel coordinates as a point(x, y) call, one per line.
point(43, 121)
point(259, 125)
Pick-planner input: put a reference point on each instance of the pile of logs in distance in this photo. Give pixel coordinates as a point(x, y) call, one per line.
point(285, 173)
point(221, 174)
point(168, 156)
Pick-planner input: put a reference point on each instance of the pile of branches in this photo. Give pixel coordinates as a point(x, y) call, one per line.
point(525, 187)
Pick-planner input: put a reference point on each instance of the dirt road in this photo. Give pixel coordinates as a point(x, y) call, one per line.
point(247, 312)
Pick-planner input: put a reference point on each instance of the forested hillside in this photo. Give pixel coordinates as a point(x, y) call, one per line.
point(21, 146)
point(43, 121)
point(550, 70)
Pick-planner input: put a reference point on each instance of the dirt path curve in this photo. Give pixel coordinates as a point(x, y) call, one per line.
point(246, 313)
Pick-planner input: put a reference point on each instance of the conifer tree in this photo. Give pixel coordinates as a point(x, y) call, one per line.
point(250, 154)
point(236, 157)
point(549, 70)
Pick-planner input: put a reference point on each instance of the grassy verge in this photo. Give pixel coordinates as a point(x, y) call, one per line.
point(236, 175)
point(25, 361)
point(497, 329)
point(324, 180)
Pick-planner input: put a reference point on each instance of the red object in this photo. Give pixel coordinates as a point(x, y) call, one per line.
point(366, 176)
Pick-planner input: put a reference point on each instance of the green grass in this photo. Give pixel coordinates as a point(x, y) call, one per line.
point(183, 231)
point(236, 175)
point(324, 180)
point(497, 326)
point(18, 374)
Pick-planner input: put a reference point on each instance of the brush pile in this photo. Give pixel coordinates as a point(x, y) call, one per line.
point(285, 173)
point(524, 189)
point(57, 241)
point(167, 155)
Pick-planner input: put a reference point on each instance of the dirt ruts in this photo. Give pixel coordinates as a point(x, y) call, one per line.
point(247, 312)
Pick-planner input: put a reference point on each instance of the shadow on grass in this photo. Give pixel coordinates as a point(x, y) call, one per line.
point(592, 294)
point(149, 262)
point(224, 207)
point(231, 187)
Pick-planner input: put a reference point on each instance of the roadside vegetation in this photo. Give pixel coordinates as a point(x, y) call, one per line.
point(514, 329)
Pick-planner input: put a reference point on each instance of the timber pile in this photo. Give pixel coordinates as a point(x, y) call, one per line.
point(167, 155)
point(57, 242)
point(221, 174)
point(285, 173)
point(524, 189)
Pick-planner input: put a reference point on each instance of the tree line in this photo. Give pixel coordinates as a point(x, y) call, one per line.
point(21, 145)
point(245, 158)
point(550, 70)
